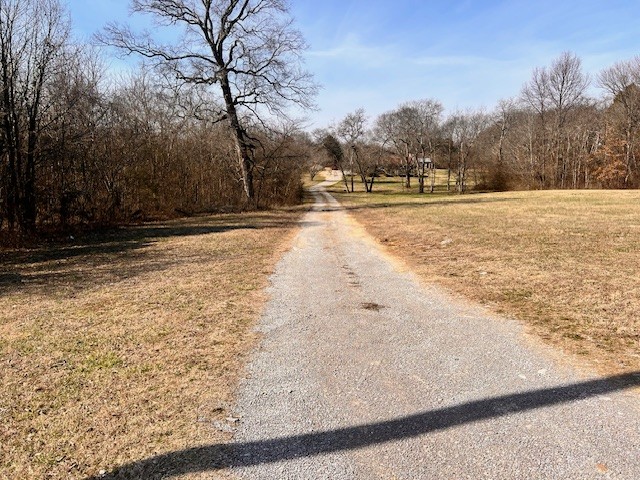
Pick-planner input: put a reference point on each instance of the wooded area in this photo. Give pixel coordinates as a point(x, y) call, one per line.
point(553, 135)
point(204, 123)
point(200, 127)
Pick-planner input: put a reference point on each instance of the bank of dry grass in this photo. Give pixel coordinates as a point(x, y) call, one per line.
point(566, 262)
point(121, 346)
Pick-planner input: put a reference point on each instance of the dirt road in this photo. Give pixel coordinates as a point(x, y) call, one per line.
point(365, 373)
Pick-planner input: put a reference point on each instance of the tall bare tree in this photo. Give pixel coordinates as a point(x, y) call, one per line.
point(351, 130)
point(466, 127)
point(555, 93)
point(423, 121)
point(249, 49)
point(33, 35)
point(622, 83)
point(394, 128)
point(567, 87)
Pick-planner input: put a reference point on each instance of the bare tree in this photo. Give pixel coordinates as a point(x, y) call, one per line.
point(567, 87)
point(622, 83)
point(554, 93)
point(68, 130)
point(394, 128)
point(467, 127)
point(33, 35)
point(535, 94)
point(423, 121)
point(370, 157)
point(567, 83)
point(446, 131)
point(504, 118)
point(352, 129)
point(247, 48)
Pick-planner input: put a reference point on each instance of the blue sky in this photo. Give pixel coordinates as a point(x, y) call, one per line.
point(376, 54)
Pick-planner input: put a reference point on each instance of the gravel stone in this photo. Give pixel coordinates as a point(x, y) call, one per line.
point(365, 373)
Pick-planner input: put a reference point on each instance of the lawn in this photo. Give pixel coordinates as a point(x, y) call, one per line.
point(122, 345)
point(565, 262)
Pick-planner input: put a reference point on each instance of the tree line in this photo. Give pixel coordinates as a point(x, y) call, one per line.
point(201, 126)
point(553, 135)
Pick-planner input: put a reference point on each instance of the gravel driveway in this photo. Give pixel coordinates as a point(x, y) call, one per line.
point(365, 373)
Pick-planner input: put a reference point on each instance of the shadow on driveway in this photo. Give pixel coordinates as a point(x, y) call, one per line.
point(220, 456)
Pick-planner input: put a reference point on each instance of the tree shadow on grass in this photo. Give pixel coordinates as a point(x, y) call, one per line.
point(116, 254)
point(404, 205)
point(450, 201)
point(220, 456)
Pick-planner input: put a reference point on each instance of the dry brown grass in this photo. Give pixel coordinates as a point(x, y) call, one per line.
point(566, 262)
point(121, 346)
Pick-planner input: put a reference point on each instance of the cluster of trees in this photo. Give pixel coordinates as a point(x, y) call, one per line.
point(202, 125)
point(411, 141)
point(193, 130)
point(552, 135)
point(556, 136)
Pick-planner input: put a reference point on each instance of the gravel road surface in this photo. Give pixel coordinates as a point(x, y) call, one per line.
point(365, 373)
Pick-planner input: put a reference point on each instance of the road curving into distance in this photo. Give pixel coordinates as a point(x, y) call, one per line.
point(365, 373)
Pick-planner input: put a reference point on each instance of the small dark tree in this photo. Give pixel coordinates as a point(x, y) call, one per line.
point(334, 151)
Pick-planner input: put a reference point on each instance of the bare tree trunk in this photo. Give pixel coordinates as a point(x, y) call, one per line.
point(449, 166)
point(433, 177)
point(242, 144)
point(8, 124)
point(370, 189)
point(461, 171)
point(29, 200)
point(351, 166)
point(344, 178)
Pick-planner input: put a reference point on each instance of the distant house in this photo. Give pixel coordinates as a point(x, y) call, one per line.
point(425, 163)
point(394, 165)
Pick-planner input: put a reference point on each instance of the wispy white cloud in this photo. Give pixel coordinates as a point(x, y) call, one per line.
point(448, 60)
point(376, 54)
point(351, 50)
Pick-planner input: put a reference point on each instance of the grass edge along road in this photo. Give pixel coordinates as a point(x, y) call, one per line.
point(564, 262)
point(119, 346)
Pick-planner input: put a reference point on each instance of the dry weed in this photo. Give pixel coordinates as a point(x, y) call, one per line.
point(122, 346)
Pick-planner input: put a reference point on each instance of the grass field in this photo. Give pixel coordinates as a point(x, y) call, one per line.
point(119, 346)
point(566, 262)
